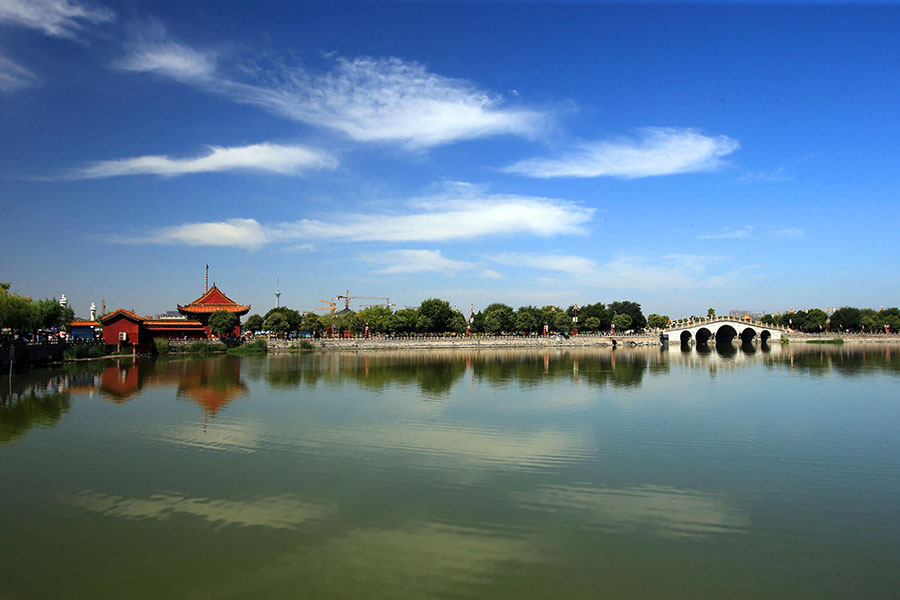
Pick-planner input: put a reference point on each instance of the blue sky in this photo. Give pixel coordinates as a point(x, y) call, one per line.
point(739, 156)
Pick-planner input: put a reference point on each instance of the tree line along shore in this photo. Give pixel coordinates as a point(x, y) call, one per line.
point(21, 314)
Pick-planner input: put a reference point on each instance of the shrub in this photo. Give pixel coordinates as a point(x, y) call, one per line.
point(162, 345)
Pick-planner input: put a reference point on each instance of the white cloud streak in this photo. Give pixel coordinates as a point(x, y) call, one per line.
point(14, 77)
point(672, 271)
point(748, 232)
point(655, 151)
point(388, 100)
point(463, 213)
point(58, 18)
point(367, 99)
point(417, 261)
point(740, 233)
point(272, 158)
point(152, 51)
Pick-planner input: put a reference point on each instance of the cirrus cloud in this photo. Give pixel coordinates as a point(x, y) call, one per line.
point(383, 100)
point(58, 18)
point(272, 158)
point(464, 212)
point(417, 261)
point(655, 151)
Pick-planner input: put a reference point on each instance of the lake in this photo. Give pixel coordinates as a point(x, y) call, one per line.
point(634, 473)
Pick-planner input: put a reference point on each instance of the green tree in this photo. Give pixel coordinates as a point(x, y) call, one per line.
point(478, 322)
point(561, 321)
point(434, 316)
point(632, 309)
point(845, 318)
point(254, 323)
point(458, 322)
point(815, 320)
point(869, 320)
point(378, 318)
point(222, 322)
point(292, 317)
point(597, 310)
point(277, 322)
point(893, 322)
point(622, 321)
point(313, 322)
point(526, 321)
point(499, 317)
point(711, 313)
point(658, 321)
point(592, 324)
point(403, 321)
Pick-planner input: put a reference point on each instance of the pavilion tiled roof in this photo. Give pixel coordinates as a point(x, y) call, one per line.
point(82, 324)
point(174, 323)
point(211, 301)
point(125, 313)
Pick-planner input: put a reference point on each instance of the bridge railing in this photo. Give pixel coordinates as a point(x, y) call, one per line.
point(686, 323)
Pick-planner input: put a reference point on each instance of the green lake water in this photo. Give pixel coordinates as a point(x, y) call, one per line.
point(636, 473)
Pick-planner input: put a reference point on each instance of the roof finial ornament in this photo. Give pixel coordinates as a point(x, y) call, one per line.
point(206, 280)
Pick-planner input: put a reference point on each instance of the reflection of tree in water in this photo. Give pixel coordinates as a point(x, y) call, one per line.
point(849, 360)
point(37, 399)
point(31, 410)
point(434, 373)
point(620, 369)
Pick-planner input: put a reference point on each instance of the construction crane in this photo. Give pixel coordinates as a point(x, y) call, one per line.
point(347, 297)
point(330, 306)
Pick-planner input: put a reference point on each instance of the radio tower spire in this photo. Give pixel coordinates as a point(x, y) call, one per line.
point(277, 290)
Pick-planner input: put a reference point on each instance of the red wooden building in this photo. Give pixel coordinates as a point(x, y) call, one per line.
point(214, 300)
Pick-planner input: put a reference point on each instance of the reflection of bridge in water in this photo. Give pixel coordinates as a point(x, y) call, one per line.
point(722, 330)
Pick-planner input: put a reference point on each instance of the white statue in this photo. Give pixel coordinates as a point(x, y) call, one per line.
point(63, 301)
point(93, 312)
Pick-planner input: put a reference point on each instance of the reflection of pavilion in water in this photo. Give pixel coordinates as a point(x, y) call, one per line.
point(210, 383)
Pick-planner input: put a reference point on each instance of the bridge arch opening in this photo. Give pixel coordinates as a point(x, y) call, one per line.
point(703, 335)
point(764, 336)
point(685, 337)
point(747, 335)
point(725, 334)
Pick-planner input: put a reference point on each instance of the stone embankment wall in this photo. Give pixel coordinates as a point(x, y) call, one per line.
point(849, 338)
point(464, 342)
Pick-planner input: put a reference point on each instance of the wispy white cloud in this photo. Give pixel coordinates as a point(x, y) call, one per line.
point(490, 274)
point(748, 232)
point(655, 151)
point(575, 265)
point(777, 174)
point(417, 261)
point(153, 51)
point(388, 100)
point(632, 272)
point(273, 158)
point(240, 233)
point(789, 232)
point(14, 77)
point(59, 18)
point(740, 233)
point(464, 212)
point(366, 99)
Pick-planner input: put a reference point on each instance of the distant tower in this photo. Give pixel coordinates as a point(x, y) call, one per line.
point(277, 290)
point(63, 301)
point(93, 312)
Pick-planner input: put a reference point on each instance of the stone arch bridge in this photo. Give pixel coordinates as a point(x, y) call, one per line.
point(721, 330)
